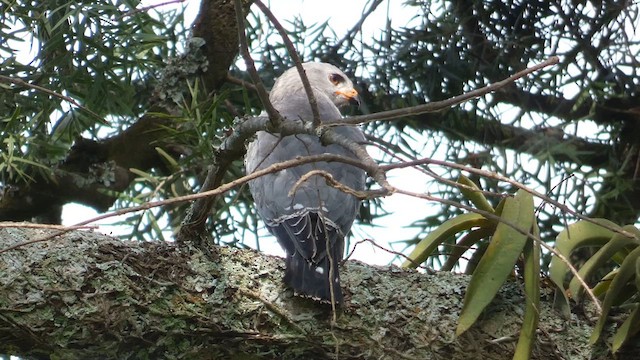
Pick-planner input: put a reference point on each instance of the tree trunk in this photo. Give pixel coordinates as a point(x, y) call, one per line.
point(84, 295)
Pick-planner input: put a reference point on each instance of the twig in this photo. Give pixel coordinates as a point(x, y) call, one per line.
point(440, 105)
point(8, 224)
point(142, 9)
point(384, 146)
point(230, 185)
point(274, 115)
point(54, 94)
point(296, 59)
point(234, 80)
point(396, 253)
point(63, 230)
point(376, 173)
point(273, 308)
point(519, 185)
point(495, 217)
point(358, 26)
point(331, 181)
point(46, 238)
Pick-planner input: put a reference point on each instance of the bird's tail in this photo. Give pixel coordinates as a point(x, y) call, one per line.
point(309, 279)
point(314, 251)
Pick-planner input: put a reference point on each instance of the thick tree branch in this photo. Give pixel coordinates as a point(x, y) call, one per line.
point(86, 295)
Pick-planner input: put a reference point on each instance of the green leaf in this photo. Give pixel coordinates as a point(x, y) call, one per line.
point(628, 329)
point(603, 285)
point(476, 256)
point(638, 275)
point(579, 234)
point(448, 229)
point(498, 261)
point(532, 292)
point(173, 163)
point(474, 195)
point(625, 272)
point(601, 257)
point(464, 244)
point(500, 206)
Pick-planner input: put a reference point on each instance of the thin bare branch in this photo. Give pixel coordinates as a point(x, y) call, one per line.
point(46, 238)
point(274, 115)
point(244, 84)
point(396, 253)
point(386, 147)
point(441, 105)
point(296, 59)
point(358, 26)
point(8, 224)
point(331, 181)
point(492, 175)
point(21, 82)
point(147, 8)
point(230, 185)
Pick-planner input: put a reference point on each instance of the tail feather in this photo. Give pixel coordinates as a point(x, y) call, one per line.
point(312, 279)
point(312, 269)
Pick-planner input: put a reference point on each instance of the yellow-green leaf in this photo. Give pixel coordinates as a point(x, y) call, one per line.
point(449, 228)
point(173, 163)
point(532, 293)
point(603, 284)
point(601, 257)
point(625, 272)
point(628, 329)
point(638, 275)
point(473, 193)
point(499, 259)
point(581, 233)
point(464, 244)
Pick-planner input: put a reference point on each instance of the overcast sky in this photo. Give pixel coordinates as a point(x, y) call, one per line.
point(342, 15)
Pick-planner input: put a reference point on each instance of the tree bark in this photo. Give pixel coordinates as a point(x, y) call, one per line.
point(82, 295)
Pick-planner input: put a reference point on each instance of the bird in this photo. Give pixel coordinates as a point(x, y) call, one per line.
point(312, 223)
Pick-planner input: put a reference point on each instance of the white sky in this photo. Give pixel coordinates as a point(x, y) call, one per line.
point(342, 16)
point(405, 210)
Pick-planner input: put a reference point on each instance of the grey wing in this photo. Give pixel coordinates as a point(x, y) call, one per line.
point(271, 191)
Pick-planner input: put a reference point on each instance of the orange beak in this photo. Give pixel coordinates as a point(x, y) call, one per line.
point(351, 95)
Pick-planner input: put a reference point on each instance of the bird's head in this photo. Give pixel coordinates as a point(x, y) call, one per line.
point(341, 89)
point(324, 78)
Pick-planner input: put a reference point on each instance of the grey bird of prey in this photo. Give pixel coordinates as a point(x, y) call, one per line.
point(312, 223)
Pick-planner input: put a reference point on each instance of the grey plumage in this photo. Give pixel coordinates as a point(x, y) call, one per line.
point(317, 216)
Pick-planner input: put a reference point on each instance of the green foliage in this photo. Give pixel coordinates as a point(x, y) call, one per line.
point(92, 62)
point(619, 287)
point(509, 232)
point(61, 51)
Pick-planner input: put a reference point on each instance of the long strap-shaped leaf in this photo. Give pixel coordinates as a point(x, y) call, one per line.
point(473, 194)
point(500, 258)
point(627, 330)
point(625, 272)
point(579, 234)
point(465, 243)
point(602, 256)
point(532, 292)
point(449, 228)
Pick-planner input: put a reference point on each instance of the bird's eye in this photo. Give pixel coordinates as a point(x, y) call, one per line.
point(336, 79)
